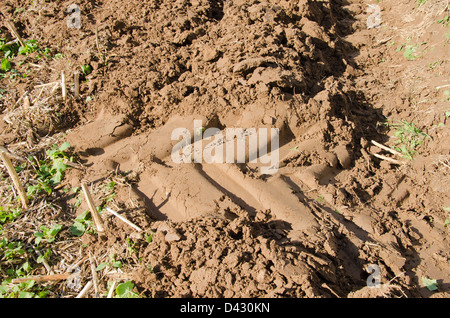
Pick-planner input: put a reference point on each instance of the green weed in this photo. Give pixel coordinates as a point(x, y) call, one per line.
point(125, 290)
point(8, 214)
point(409, 137)
point(431, 284)
point(47, 234)
point(46, 256)
point(11, 250)
point(113, 263)
point(86, 69)
point(445, 21)
point(5, 65)
point(58, 56)
point(11, 50)
point(148, 237)
point(50, 171)
point(131, 246)
point(83, 224)
point(30, 47)
point(435, 64)
point(110, 192)
point(27, 289)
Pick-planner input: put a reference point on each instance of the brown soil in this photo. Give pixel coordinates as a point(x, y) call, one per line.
point(310, 68)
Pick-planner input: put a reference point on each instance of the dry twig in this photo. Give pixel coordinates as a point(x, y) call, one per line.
point(95, 215)
point(85, 289)
point(15, 178)
point(63, 86)
point(392, 151)
point(124, 220)
point(13, 30)
point(42, 278)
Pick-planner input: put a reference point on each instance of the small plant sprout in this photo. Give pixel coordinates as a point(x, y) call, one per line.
point(86, 69)
point(83, 224)
point(125, 290)
point(113, 263)
point(431, 284)
point(50, 172)
point(8, 214)
point(5, 65)
point(47, 234)
point(29, 47)
point(408, 138)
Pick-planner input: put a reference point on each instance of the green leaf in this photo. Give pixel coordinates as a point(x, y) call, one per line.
point(446, 222)
point(57, 177)
point(83, 217)
point(59, 165)
point(124, 290)
point(116, 264)
point(87, 69)
point(101, 266)
point(64, 146)
point(26, 266)
point(54, 230)
point(5, 65)
point(431, 284)
point(77, 229)
point(3, 289)
point(29, 283)
point(24, 294)
point(39, 237)
point(52, 153)
point(42, 294)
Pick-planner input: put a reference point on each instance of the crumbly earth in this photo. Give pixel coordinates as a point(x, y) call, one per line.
point(312, 69)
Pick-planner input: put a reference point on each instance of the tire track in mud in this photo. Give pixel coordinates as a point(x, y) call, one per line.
point(183, 191)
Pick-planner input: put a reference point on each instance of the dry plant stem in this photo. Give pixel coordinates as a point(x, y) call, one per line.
point(63, 86)
point(76, 264)
point(13, 30)
point(41, 279)
point(439, 87)
point(12, 155)
point(94, 275)
point(10, 42)
point(95, 215)
point(124, 220)
point(35, 65)
point(85, 289)
point(39, 95)
point(20, 99)
point(111, 290)
point(13, 174)
point(388, 159)
point(73, 165)
point(392, 151)
point(47, 84)
point(55, 87)
point(26, 102)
